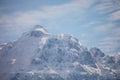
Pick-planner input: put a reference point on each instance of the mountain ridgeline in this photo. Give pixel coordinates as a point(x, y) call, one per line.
point(38, 55)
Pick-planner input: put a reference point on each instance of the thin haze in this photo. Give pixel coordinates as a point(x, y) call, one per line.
point(96, 23)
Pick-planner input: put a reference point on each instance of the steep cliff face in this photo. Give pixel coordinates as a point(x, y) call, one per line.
point(38, 55)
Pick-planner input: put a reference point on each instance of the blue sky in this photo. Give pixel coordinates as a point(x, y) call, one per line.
point(95, 23)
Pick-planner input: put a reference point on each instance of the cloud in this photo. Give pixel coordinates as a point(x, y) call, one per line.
point(109, 10)
point(110, 44)
point(107, 27)
point(45, 13)
point(18, 21)
point(107, 6)
point(110, 41)
point(114, 16)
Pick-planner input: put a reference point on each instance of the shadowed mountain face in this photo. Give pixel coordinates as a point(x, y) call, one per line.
point(38, 55)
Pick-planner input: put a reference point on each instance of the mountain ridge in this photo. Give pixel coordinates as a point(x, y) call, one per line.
point(38, 55)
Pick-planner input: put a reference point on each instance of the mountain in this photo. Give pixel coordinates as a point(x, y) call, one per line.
point(38, 55)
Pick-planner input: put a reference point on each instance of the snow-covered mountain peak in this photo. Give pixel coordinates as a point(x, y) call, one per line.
point(37, 31)
point(37, 55)
point(40, 28)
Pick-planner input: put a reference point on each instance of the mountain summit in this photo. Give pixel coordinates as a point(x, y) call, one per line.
point(38, 31)
point(41, 29)
point(38, 55)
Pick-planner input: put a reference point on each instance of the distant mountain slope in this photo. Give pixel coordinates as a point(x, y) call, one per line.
point(38, 55)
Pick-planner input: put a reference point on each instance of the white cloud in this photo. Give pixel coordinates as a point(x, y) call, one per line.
point(107, 6)
point(109, 44)
point(46, 13)
point(114, 16)
point(105, 27)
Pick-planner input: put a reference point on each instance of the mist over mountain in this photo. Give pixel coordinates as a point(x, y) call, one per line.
point(39, 55)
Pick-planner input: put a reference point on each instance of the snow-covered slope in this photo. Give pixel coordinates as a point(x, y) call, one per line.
point(38, 55)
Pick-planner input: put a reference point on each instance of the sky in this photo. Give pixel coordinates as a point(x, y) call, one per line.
point(96, 23)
